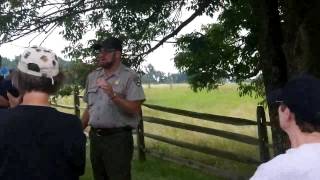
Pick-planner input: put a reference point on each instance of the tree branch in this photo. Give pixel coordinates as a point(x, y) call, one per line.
point(173, 42)
point(56, 19)
point(197, 13)
point(49, 32)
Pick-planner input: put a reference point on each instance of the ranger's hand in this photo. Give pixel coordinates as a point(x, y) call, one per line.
point(107, 88)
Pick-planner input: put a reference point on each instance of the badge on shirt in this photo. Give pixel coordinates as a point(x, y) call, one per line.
point(137, 80)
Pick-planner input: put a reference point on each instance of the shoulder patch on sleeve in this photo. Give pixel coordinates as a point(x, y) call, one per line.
point(137, 81)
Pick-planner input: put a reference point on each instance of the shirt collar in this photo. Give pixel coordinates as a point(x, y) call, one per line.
point(115, 73)
point(118, 71)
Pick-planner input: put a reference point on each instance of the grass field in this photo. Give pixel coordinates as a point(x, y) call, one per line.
point(223, 101)
point(155, 169)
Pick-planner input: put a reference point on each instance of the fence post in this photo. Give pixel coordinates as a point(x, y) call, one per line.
point(76, 101)
point(140, 140)
point(263, 135)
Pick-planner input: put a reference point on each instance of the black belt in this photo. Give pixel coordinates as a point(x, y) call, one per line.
point(110, 131)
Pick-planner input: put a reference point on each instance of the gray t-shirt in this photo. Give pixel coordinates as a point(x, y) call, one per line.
point(103, 112)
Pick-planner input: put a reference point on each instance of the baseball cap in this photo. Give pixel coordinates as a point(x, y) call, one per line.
point(111, 43)
point(302, 95)
point(40, 62)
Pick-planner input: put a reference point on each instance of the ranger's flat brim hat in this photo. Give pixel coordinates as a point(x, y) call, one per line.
point(111, 43)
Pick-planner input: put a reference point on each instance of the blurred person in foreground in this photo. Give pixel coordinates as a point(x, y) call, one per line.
point(37, 141)
point(299, 116)
point(7, 89)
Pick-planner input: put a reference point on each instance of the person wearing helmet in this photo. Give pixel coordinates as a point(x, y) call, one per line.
point(37, 141)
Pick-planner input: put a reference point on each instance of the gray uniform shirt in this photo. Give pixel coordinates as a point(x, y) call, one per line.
point(103, 112)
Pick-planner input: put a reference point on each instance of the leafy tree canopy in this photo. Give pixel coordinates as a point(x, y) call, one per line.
point(279, 38)
point(136, 22)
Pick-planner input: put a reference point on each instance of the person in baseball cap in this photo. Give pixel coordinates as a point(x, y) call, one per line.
point(114, 96)
point(37, 141)
point(110, 49)
point(299, 117)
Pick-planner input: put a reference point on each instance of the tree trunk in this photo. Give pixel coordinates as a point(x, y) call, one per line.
point(302, 36)
point(273, 61)
point(288, 46)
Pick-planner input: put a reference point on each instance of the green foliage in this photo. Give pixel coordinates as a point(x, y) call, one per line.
point(75, 75)
point(253, 88)
point(225, 51)
point(137, 22)
point(65, 91)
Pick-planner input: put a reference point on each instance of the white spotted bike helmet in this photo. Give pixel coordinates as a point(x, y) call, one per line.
point(39, 61)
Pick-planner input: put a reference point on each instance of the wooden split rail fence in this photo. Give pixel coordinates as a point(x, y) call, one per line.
point(261, 141)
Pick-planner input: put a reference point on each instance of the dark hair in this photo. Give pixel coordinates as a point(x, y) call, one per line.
point(27, 83)
point(307, 126)
point(303, 125)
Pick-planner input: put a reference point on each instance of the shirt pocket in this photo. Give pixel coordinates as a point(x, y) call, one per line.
point(119, 89)
point(92, 95)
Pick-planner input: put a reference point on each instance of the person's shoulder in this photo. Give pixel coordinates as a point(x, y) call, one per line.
point(280, 167)
point(126, 69)
point(130, 73)
point(68, 117)
point(7, 116)
point(71, 125)
point(95, 72)
point(7, 111)
point(69, 121)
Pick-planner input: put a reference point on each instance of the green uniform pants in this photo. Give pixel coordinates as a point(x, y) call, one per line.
point(111, 155)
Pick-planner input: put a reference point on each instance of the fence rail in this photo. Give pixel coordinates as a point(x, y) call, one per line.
point(61, 106)
point(261, 141)
point(203, 116)
point(260, 123)
point(210, 131)
point(205, 150)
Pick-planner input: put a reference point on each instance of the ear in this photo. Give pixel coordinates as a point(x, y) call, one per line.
point(118, 54)
point(285, 116)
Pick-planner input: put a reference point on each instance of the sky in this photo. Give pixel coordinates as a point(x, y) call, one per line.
point(161, 58)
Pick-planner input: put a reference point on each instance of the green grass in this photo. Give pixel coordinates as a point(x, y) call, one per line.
point(223, 101)
point(155, 169)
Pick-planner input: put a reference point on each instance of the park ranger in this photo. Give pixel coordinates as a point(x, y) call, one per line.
point(114, 96)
